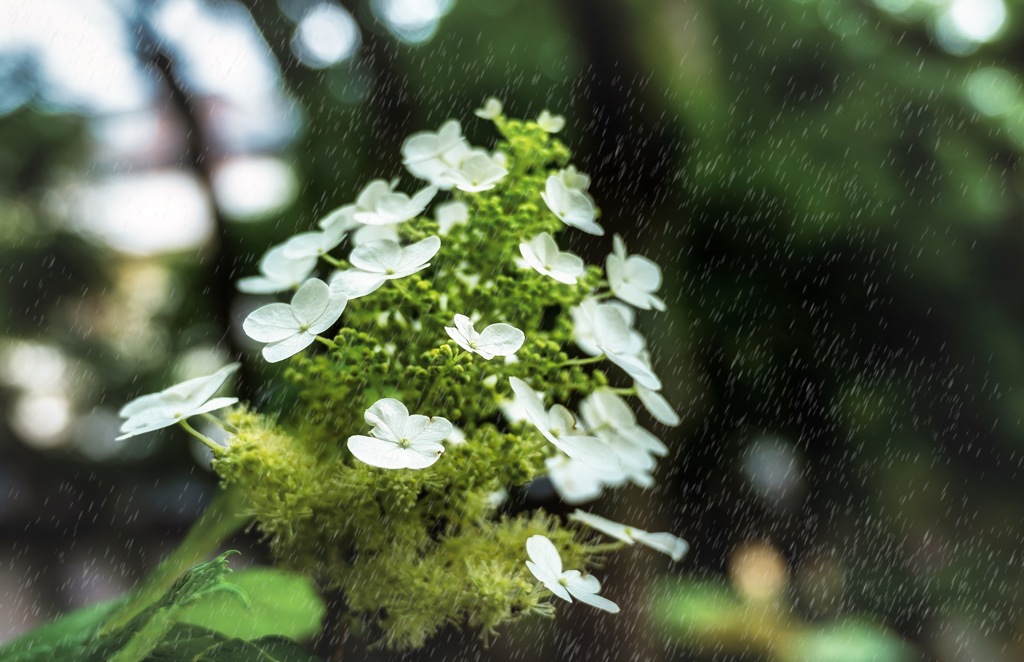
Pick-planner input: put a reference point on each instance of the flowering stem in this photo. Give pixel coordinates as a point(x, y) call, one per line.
point(621, 391)
point(222, 518)
point(586, 361)
point(401, 288)
point(210, 443)
point(224, 424)
point(334, 262)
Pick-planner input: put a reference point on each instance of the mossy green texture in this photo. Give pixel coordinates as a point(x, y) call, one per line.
point(414, 550)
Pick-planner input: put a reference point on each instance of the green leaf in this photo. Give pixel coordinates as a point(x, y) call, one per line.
point(64, 639)
point(196, 644)
point(848, 641)
point(281, 603)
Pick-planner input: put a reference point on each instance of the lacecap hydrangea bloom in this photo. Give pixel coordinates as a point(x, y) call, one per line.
point(445, 347)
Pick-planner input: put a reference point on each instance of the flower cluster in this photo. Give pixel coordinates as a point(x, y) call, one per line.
point(439, 313)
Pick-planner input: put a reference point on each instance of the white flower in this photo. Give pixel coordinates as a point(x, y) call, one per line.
point(492, 109)
point(380, 261)
point(608, 417)
point(314, 244)
point(657, 406)
point(546, 566)
point(559, 427)
point(289, 328)
point(550, 123)
point(602, 328)
point(189, 398)
point(477, 172)
point(666, 543)
point(426, 154)
point(280, 272)
point(450, 214)
point(388, 207)
point(496, 340)
point(633, 278)
point(574, 179)
point(541, 253)
point(571, 206)
point(400, 441)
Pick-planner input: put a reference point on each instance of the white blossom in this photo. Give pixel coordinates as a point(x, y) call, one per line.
point(399, 440)
point(278, 272)
point(550, 123)
point(370, 233)
point(495, 340)
point(477, 172)
point(574, 179)
point(633, 278)
point(450, 214)
point(608, 417)
point(288, 328)
point(176, 403)
point(491, 109)
point(666, 543)
point(388, 207)
point(559, 427)
point(546, 565)
point(541, 254)
point(572, 206)
point(314, 244)
point(342, 219)
point(657, 406)
point(606, 328)
point(380, 261)
point(428, 154)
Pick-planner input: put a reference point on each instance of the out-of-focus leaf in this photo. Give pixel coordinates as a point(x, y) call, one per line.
point(64, 639)
point(847, 641)
point(196, 644)
point(281, 603)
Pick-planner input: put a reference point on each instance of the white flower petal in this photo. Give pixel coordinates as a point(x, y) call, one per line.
point(354, 283)
point(491, 109)
point(282, 349)
point(450, 214)
point(390, 455)
point(580, 589)
point(415, 256)
point(389, 417)
point(543, 553)
point(271, 323)
point(666, 543)
point(501, 339)
point(341, 219)
point(311, 301)
point(541, 254)
point(657, 406)
point(427, 429)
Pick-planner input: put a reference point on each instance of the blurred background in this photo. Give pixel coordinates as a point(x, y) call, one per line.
point(831, 189)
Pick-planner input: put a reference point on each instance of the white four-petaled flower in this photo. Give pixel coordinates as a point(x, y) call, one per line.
point(666, 543)
point(477, 172)
point(541, 254)
point(606, 328)
point(571, 205)
point(550, 123)
point(491, 109)
point(315, 244)
point(380, 261)
point(546, 565)
point(495, 340)
point(383, 206)
point(633, 278)
point(279, 272)
point(399, 440)
point(288, 328)
point(559, 427)
point(176, 403)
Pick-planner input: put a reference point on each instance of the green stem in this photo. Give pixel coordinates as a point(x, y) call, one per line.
point(586, 361)
point(334, 262)
point(223, 517)
point(213, 419)
point(210, 443)
point(325, 341)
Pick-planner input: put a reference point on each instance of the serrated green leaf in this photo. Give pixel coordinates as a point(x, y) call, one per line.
point(281, 603)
